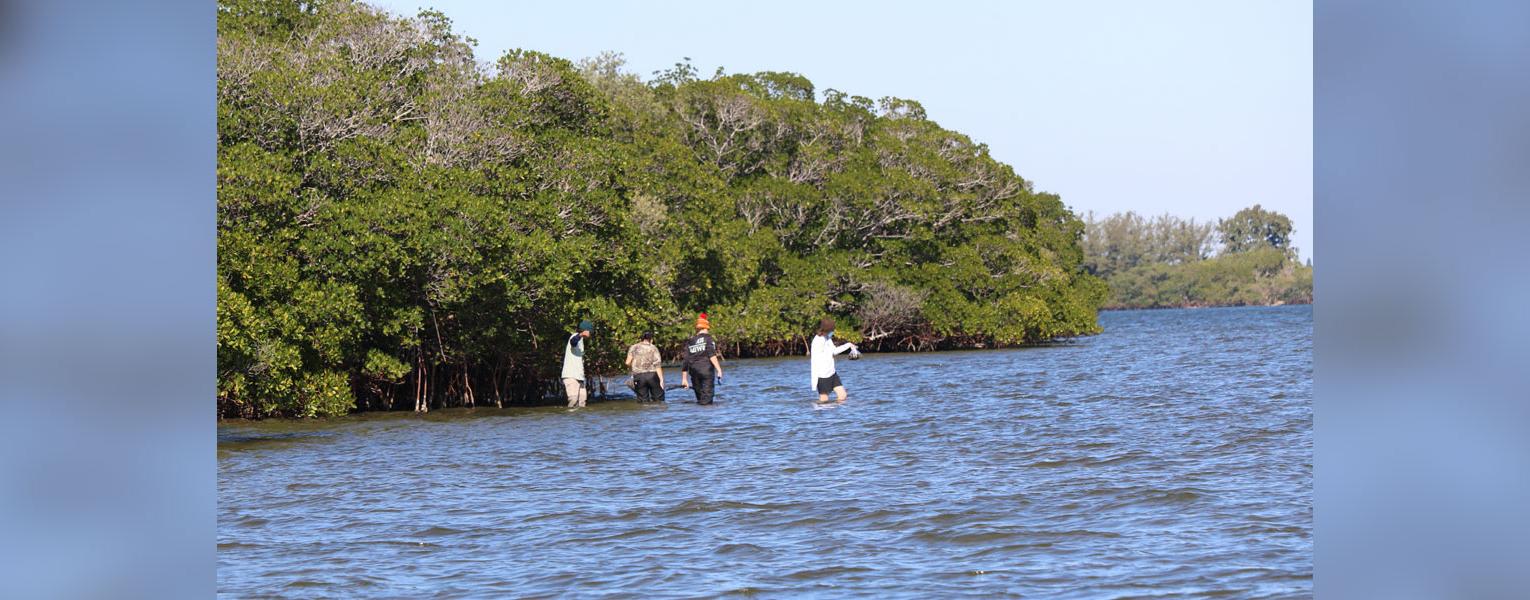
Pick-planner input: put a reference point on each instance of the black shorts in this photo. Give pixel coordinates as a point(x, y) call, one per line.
point(826, 385)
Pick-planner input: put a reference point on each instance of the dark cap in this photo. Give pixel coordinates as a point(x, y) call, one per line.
point(586, 326)
point(647, 335)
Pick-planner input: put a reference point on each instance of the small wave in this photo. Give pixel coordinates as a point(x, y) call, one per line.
point(1009, 550)
point(803, 522)
point(747, 591)
point(410, 544)
point(619, 535)
point(1020, 539)
point(1088, 461)
point(437, 531)
point(972, 537)
point(739, 548)
point(697, 505)
point(1080, 533)
point(822, 572)
point(1160, 497)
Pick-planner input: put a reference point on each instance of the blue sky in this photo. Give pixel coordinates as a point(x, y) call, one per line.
point(1195, 108)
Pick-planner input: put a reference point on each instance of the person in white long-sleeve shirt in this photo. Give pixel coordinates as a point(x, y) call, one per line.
point(821, 354)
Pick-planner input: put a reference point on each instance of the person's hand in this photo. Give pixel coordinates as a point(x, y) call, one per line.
point(719, 377)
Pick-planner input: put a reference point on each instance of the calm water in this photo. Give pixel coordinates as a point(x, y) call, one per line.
point(1170, 455)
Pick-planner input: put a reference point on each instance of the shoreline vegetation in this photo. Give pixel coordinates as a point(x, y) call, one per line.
point(1168, 262)
point(403, 226)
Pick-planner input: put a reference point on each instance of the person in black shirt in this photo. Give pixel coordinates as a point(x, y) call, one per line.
point(700, 366)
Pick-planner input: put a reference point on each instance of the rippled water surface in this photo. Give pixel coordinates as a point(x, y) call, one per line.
point(1170, 455)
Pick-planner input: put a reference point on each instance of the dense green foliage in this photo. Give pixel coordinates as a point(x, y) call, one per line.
point(1167, 262)
point(401, 226)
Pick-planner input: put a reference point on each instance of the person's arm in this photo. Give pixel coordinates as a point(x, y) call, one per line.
point(716, 356)
point(629, 357)
point(840, 349)
point(661, 377)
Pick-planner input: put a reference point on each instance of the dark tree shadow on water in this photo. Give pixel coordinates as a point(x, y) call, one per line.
point(250, 440)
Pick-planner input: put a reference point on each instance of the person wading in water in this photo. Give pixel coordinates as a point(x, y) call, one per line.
point(573, 366)
point(699, 362)
point(647, 370)
point(821, 354)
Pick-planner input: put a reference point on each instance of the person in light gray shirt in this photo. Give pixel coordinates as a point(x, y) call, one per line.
point(573, 366)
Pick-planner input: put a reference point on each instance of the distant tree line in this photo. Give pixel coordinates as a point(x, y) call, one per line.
point(401, 226)
point(1166, 261)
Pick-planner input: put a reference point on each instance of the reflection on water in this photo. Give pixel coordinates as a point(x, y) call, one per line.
point(1171, 454)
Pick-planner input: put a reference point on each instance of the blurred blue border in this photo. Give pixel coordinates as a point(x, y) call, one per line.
point(107, 159)
point(1421, 114)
